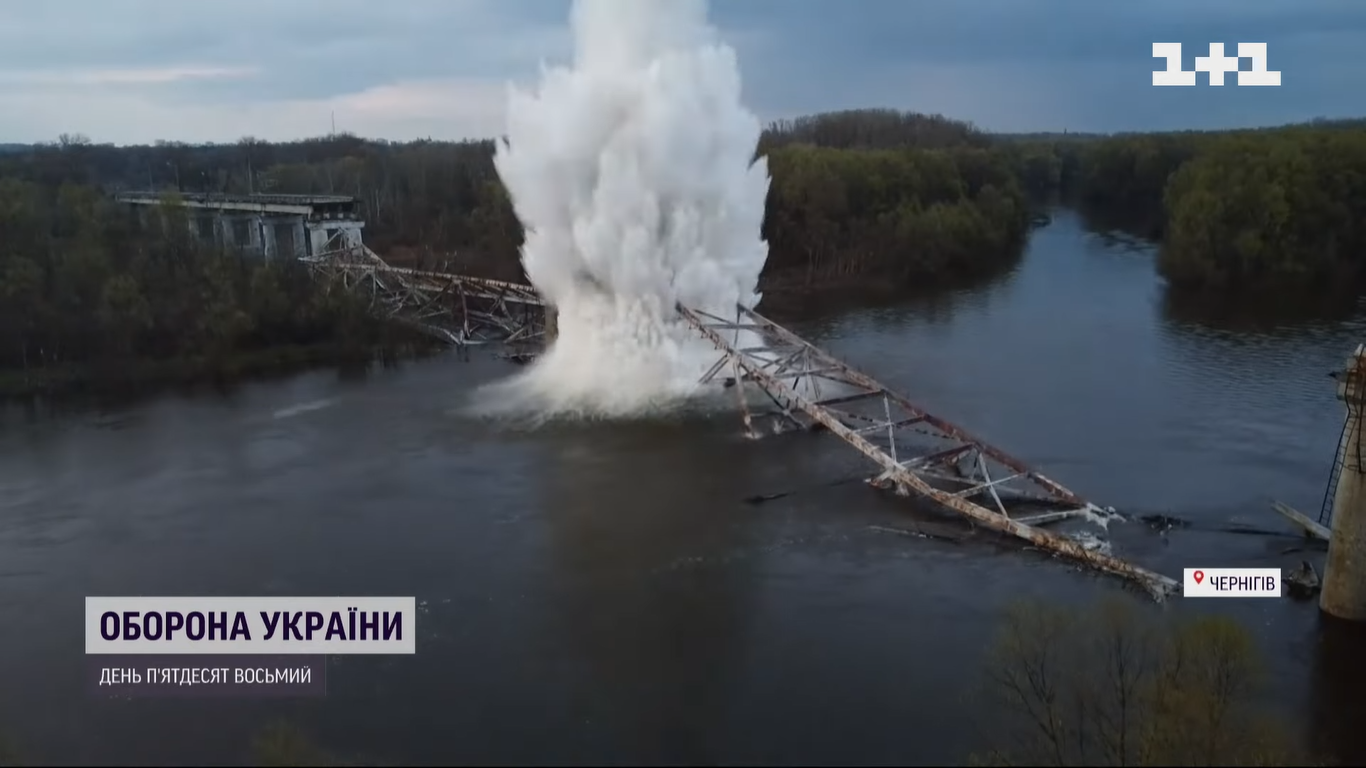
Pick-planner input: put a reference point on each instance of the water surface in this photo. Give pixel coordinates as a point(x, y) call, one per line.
point(602, 593)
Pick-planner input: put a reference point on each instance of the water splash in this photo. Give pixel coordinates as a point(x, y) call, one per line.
point(633, 173)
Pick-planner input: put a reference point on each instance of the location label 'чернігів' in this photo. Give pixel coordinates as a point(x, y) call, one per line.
point(1232, 582)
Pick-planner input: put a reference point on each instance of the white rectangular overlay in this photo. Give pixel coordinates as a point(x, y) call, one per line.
point(250, 625)
point(1232, 582)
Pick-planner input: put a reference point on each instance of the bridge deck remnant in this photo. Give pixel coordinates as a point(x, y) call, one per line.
point(459, 310)
point(951, 467)
point(316, 206)
point(291, 226)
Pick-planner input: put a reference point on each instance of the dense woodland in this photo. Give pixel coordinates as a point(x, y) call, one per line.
point(1237, 209)
point(862, 197)
point(85, 288)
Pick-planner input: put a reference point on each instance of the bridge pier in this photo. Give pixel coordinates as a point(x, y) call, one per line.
point(1344, 578)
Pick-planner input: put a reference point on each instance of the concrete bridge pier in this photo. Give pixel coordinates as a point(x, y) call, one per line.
point(1344, 578)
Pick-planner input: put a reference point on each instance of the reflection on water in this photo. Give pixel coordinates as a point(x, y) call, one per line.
point(1268, 313)
point(647, 594)
point(1338, 709)
point(934, 303)
point(1123, 228)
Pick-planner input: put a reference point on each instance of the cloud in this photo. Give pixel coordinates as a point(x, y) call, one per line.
point(106, 77)
point(214, 71)
point(401, 111)
point(1053, 64)
point(139, 70)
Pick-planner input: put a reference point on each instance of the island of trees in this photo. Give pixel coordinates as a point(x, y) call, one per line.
point(872, 197)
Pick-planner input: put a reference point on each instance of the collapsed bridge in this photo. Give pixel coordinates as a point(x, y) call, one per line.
point(916, 452)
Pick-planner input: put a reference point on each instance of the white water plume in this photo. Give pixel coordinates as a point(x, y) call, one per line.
point(633, 173)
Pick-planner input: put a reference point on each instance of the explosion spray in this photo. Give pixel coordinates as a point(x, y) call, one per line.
point(634, 176)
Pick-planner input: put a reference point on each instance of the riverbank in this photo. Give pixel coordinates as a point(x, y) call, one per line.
point(795, 299)
point(1237, 210)
point(121, 378)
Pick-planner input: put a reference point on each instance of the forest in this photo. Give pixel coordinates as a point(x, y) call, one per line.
point(85, 291)
point(858, 198)
point(1283, 207)
point(84, 286)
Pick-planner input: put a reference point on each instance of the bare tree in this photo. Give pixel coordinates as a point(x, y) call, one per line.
point(1109, 687)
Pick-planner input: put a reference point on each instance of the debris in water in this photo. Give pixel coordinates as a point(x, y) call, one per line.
point(1091, 542)
point(1311, 529)
point(1164, 523)
point(1303, 582)
point(941, 532)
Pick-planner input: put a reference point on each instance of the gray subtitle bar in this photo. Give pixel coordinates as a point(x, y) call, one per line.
point(194, 676)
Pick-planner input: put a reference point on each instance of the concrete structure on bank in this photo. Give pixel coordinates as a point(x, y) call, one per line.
point(1344, 577)
point(291, 226)
point(325, 230)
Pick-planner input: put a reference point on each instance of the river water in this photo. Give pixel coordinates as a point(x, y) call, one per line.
point(602, 592)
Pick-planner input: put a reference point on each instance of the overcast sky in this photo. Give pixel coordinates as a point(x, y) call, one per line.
point(131, 71)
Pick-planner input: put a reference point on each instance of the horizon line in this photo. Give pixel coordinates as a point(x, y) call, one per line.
point(336, 135)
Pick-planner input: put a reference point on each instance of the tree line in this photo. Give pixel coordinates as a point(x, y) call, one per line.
point(867, 196)
point(1247, 209)
point(863, 194)
point(87, 285)
point(1233, 210)
point(944, 200)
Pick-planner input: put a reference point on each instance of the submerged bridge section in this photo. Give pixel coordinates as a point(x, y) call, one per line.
point(916, 452)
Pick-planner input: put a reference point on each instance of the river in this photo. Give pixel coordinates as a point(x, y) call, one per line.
point(602, 593)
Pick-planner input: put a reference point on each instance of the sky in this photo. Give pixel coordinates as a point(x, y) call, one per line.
point(136, 71)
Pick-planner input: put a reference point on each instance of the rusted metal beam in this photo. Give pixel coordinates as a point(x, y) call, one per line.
point(456, 309)
point(902, 473)
point(868, 383)
point(829, 401)
point(427, 300)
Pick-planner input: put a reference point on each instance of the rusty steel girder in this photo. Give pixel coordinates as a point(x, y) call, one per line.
point(792, 373)
point(457, 309)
